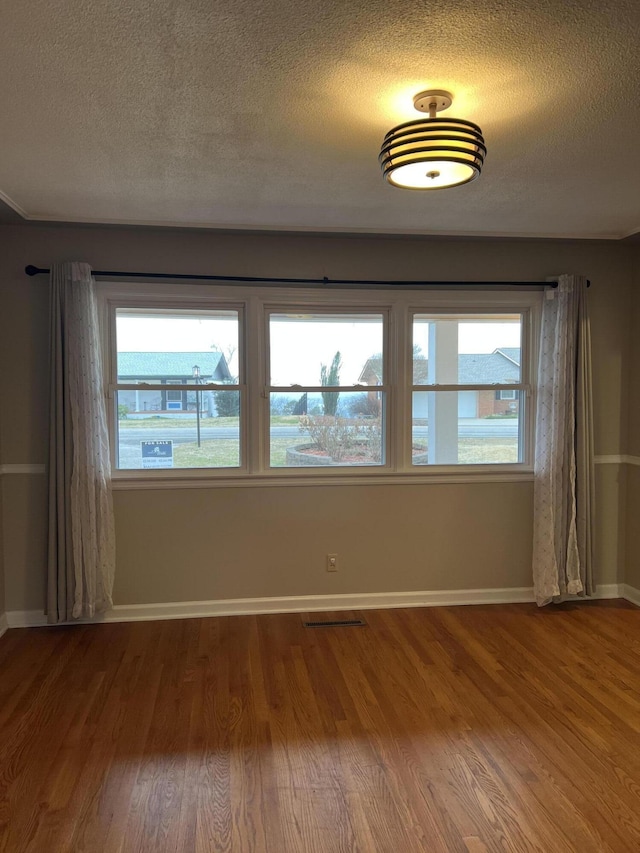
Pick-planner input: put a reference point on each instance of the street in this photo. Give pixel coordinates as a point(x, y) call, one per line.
point(131, 438)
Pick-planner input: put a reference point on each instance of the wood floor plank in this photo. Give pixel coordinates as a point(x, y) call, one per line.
point(470, 729)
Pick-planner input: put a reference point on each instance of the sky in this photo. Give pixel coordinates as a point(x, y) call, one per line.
point(299, 346)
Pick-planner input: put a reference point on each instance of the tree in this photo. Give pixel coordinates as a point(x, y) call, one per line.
point(300, 408)
point(228, 352)
point(279, 405)
point(227, 402)
point(363, 404)
point(331, 376)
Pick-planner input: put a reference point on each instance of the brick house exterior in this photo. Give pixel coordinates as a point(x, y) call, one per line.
point(501, 366)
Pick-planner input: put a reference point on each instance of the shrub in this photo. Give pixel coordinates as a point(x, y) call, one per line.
point(328, 433)
point(364, 405)
point(338, 437)
point(227, 403)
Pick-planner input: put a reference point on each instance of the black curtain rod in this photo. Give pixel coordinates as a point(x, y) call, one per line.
point(326, 282)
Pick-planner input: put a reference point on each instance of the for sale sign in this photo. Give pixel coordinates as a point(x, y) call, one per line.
point(157, 454)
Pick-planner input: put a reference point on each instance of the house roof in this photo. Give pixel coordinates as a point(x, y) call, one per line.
point(512, 353)
point(486, 368)
point(553, 85)
point(167, 365)
point(501, 366)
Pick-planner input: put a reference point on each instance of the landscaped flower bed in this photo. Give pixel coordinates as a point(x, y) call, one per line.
point(310, 455)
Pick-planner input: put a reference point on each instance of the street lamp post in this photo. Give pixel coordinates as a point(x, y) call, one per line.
point(195, 370)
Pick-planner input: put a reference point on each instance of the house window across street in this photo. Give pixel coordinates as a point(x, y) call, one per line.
point(248, 383)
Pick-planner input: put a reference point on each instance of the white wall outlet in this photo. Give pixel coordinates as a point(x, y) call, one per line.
point(332, 562)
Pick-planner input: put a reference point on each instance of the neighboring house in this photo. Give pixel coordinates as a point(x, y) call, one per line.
point(500, 366)
point(169, 370)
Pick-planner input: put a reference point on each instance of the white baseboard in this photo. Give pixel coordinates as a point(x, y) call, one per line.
point(631, 594)
point(609, 590)
point(4, 624)
point(287, 604)
point(301, 604)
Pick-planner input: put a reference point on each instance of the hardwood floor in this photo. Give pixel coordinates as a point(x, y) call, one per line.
point(469, 729)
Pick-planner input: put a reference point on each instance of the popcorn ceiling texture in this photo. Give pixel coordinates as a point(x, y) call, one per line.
point(271, 114)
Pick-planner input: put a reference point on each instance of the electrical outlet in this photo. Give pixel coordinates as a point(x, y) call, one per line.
point(332, 562)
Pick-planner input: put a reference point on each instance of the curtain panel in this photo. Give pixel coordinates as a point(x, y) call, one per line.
point(81, 540)
point(564, 466)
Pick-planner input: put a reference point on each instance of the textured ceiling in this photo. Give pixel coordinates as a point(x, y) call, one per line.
point(271, 114)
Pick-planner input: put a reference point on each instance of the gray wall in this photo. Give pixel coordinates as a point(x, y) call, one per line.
point(180, 544)
point(632, 572)
point(2, 576)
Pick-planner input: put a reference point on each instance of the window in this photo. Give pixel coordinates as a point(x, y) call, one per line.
point(248, 383)
point(320, 413)
point(177, 397)
point(457, 362)
point(174, 398)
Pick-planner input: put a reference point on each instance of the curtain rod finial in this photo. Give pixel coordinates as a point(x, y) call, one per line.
point(31, 270)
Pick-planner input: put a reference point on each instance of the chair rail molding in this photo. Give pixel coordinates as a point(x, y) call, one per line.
point(621, 459)
point(23, 468)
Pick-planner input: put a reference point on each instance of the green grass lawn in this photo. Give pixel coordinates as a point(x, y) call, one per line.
point(176, 423)
point(224, 452)
point(218, 453)
point(475, 451)
point(186, 423)
point(486, 450)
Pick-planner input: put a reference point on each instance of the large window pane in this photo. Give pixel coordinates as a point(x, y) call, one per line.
point(178, 384)
point(167, 422)
point(478, 350)
point(305, 347)
point(164, 346)
point(302, 436)
point(202, 433)
point(449, 428)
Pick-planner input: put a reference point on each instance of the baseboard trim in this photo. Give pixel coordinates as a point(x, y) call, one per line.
point(301, 604)
point(608, 590)
point(631, 593)
point(4, 624)
point(287, 604)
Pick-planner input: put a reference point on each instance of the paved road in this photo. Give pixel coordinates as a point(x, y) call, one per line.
point(133, 437)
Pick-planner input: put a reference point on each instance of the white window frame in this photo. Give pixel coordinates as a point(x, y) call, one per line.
point(109, 305)
point(254, 304)
point(385, 388)
point(173, 391)
point(525, 386)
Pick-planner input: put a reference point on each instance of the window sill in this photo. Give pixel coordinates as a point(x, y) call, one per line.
point(240, 481)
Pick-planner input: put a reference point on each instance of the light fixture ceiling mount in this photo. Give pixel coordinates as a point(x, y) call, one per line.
point(432, 153)
point(433, 100)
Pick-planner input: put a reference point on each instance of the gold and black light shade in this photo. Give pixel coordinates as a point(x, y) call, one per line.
point(432, 153)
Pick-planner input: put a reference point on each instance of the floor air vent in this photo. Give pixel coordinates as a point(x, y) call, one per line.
point(335, 623)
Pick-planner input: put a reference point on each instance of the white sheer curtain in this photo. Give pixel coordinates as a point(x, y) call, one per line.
point(563, 490)
point(81, 552)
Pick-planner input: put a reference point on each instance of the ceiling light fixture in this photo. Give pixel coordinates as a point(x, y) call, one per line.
point(432, 153)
